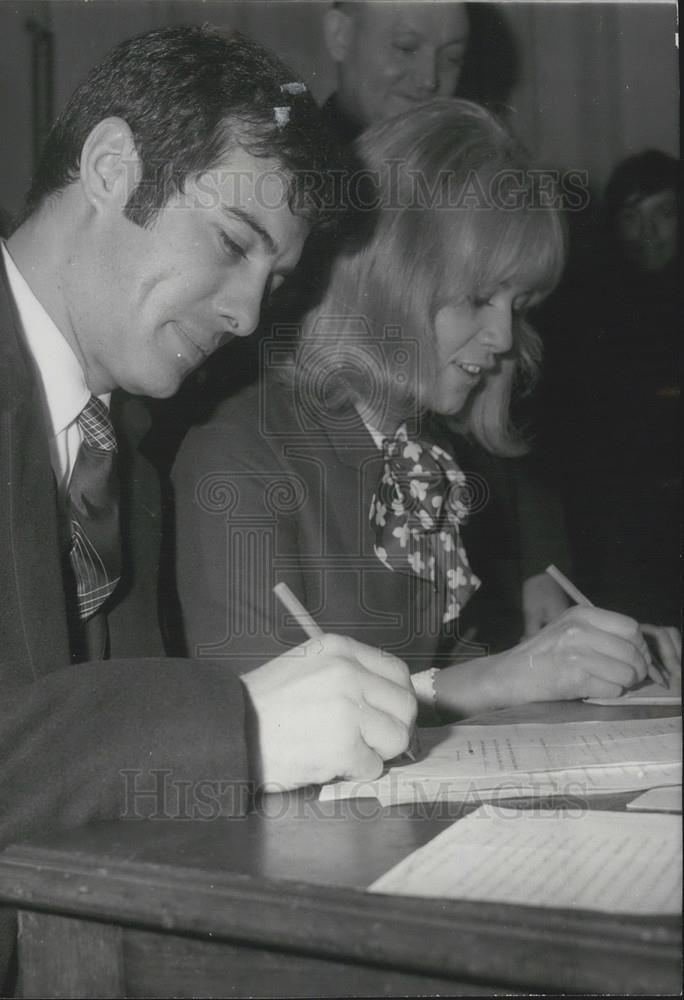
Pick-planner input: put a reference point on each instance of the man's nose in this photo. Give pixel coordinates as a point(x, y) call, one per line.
point(427, 74)
point(240, 304)
point(649, 227)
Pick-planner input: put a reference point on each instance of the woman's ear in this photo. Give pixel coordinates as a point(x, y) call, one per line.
point(110, 167)
point(338, 28)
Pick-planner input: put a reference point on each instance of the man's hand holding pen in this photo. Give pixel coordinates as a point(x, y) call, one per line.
point(331, 708)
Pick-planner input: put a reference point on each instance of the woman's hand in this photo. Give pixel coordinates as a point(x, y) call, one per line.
point(586, 653)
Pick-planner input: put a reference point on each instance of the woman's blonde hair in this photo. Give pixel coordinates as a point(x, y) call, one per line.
point(456, 212)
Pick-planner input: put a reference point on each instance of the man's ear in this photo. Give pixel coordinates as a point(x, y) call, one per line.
point(110, 167)
point(338, 27)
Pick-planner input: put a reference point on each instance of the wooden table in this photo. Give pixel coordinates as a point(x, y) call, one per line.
point(273, 905)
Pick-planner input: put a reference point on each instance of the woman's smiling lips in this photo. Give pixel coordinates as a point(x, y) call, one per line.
point(471, 369)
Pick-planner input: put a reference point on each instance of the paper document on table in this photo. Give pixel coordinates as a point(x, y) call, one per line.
point(659, 800)
point(398, 787)
point(574, 783)
point(467, 757)
point(614, 862)
point(478, 751)
point(648, 693)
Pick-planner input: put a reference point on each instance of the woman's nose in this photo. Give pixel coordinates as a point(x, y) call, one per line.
point(499, 329)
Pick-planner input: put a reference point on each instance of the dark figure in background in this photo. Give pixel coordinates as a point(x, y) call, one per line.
point(617, 328)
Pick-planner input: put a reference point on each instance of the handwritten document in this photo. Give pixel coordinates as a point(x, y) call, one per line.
point(530, 758)
point(614, 862)
point(477, 751)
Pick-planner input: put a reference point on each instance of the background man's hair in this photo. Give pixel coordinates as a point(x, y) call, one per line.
point(189, 95)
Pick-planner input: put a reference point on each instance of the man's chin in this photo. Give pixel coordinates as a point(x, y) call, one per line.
point(156, 388)
point(401, 103)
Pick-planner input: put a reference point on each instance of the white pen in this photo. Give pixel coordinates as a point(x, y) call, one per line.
point(298, 611)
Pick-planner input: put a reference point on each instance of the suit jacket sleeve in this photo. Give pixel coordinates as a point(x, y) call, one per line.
point(87, 742)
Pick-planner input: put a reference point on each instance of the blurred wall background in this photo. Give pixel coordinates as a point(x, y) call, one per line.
point(585, 83)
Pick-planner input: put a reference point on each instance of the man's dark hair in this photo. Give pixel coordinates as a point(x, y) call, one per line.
point(189, 95)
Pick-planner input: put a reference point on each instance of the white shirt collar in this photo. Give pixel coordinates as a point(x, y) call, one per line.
point(378, 436)
point(64, 386)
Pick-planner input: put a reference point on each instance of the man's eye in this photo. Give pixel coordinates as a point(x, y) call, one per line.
point(234, 249)
point(407, 47)
point(272, 286)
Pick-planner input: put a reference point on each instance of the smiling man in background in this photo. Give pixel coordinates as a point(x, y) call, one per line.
point(391, 56)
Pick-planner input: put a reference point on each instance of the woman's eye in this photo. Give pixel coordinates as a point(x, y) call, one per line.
point(233, 248)
point(407, 47)
point(480, 301)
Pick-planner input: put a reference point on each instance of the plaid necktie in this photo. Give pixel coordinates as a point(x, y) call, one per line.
point(416, 513)
point(93, 496)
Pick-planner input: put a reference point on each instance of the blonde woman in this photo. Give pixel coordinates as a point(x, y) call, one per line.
point(332, 473)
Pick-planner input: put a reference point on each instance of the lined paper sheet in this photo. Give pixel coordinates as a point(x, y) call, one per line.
point(613, 862)
point(575, 783)
point(612, 756)
point(478, 751)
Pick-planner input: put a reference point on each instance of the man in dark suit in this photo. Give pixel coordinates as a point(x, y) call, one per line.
point(165, 208)
point(389, 57)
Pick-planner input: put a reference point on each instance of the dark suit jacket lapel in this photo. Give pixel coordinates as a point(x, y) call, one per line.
point(32, 609)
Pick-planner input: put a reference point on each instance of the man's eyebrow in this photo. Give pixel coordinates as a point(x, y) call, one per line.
point(249, 220)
